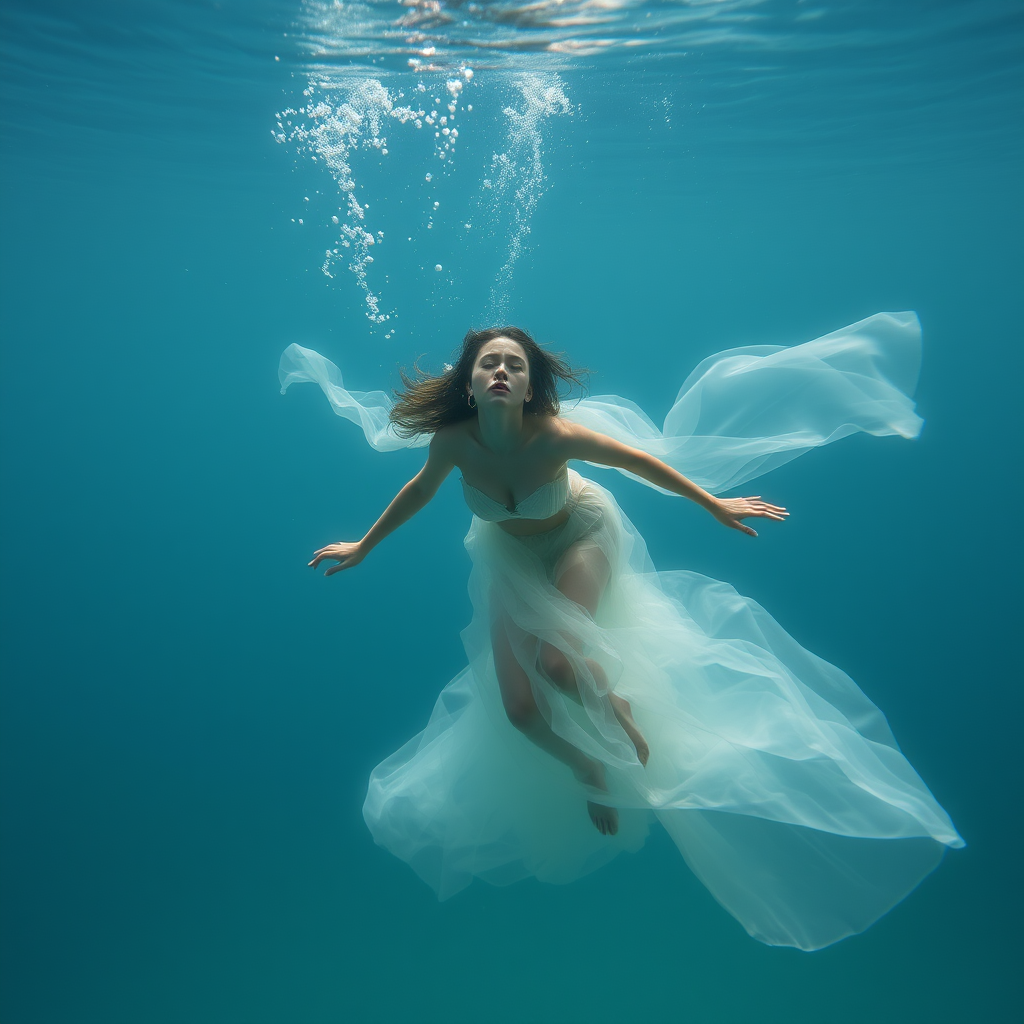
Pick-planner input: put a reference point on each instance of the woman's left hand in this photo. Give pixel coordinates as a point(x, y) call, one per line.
point(729, 512)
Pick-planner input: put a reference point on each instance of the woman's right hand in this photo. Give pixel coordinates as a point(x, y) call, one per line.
point(344, 553)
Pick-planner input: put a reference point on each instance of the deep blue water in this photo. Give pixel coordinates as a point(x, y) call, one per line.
point(189, 717)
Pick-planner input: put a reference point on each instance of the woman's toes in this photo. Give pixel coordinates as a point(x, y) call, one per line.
point(605, 819)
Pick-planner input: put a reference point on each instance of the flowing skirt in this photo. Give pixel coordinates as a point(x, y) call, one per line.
point(778, 780)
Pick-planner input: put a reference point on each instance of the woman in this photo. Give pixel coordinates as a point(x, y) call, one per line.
point(649, 694)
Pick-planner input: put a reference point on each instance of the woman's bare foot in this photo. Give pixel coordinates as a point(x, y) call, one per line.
point(624, 713)
point(605, 819)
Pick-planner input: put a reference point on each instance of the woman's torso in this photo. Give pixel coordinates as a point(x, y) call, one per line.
point(519, 481)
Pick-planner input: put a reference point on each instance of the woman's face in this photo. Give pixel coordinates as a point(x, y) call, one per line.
point(501, 374)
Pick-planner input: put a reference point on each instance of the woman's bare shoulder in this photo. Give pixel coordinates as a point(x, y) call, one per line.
point(550, 425)
point(557, 431)
point(451, 439)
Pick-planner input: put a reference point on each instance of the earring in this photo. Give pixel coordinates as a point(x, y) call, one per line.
point(470, 400)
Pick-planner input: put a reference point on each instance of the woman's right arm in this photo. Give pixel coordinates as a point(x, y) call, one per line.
point(409, 500)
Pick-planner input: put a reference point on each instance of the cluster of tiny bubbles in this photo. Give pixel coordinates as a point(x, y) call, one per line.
point(336, 121)
point(516, 180)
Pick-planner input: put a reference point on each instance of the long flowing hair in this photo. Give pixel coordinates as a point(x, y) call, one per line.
point(429, 402)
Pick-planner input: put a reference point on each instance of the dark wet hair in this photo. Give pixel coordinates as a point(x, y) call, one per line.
point(429, 403)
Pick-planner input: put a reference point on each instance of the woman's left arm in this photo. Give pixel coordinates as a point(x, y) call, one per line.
point(579, 442)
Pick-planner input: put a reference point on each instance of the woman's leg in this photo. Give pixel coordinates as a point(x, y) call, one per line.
point(583, 575)
point(521, 708)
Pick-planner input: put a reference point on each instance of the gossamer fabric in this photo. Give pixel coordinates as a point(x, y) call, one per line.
point(778, 780)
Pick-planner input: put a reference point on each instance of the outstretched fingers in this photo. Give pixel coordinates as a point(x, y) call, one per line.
point(766, 510)
point(318, 556)
point(737, 509)
point(347, 556)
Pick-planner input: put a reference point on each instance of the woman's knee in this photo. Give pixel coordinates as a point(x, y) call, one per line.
point(555, 666)
point(522, 710)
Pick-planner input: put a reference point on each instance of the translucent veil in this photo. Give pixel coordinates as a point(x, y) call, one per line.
point(778, 780)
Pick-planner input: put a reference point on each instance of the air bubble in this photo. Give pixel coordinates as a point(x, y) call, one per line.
point(332, 127)
point(437, 266)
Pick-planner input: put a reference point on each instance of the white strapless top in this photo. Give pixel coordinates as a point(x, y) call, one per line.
point(543, 503)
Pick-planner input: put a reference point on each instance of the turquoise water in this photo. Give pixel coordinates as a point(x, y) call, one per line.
point(189, 717)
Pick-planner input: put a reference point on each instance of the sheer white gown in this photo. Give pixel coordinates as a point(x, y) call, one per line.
point(778, 780)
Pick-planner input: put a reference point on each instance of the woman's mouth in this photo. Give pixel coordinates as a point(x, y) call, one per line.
point(498, 386)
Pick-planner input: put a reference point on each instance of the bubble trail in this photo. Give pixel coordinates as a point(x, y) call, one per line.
point(517, 174)
point(333, 126)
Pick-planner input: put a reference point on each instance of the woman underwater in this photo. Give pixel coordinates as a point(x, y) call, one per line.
point(595, 681)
